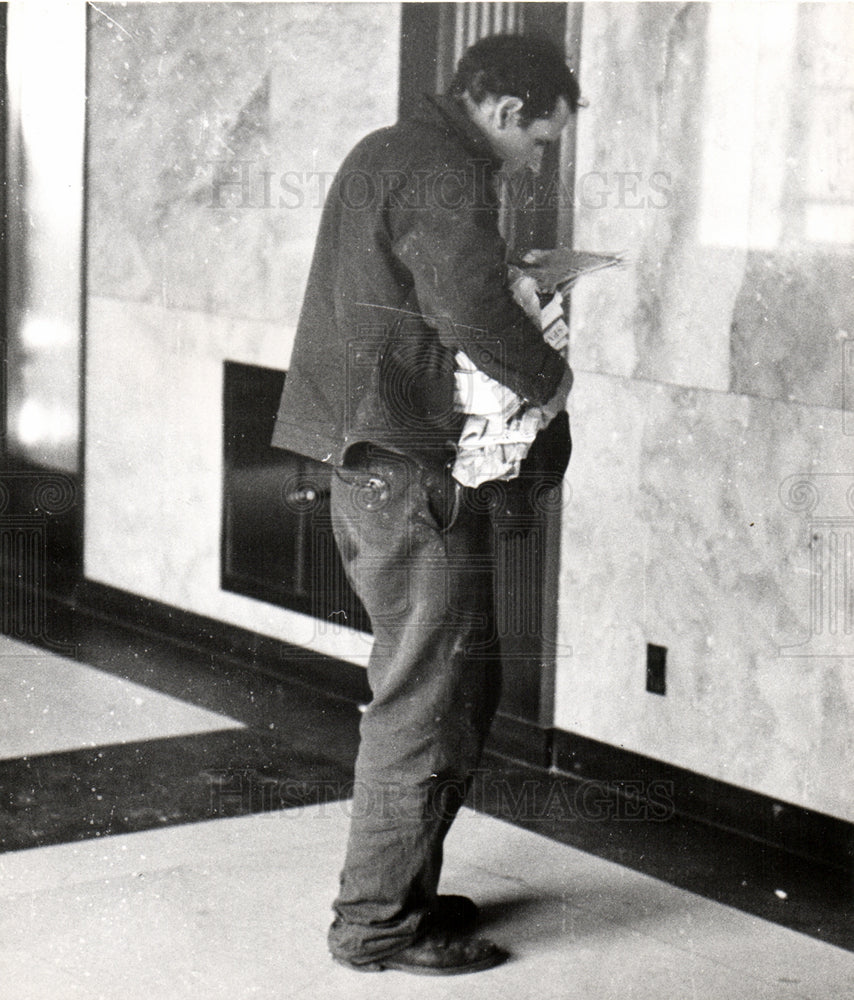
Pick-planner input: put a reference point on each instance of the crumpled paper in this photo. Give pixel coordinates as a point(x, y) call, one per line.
point(500, 428)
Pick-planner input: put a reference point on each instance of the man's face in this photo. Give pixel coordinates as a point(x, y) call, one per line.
point(521, 146)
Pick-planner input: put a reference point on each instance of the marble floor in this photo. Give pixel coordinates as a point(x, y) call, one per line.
point(203, 904)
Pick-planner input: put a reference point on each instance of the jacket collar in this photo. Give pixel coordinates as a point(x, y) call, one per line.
point(449, 115)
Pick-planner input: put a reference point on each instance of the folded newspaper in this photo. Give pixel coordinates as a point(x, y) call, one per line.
point(500, 428)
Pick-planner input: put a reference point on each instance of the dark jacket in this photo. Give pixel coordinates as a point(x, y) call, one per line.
point(409, 267)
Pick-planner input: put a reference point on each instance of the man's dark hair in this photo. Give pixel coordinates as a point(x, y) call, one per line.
point(522, 66)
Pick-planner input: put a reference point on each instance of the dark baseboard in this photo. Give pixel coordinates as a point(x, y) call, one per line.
point(512, 738)
point(273, 657)
point(520, 740)
point(790, 828)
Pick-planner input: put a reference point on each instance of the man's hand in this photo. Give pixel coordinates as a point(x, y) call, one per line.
point(558, 402)
point(524, 290)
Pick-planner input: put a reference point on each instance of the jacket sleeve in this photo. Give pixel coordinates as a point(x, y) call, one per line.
point(456, 259)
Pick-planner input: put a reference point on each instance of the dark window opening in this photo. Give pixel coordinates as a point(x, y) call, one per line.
point(276, 542)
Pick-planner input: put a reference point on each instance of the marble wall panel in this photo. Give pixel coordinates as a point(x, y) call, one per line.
point(154, 464)
point(667, 315)
point(792, 318)
point(682, 532)
point(708, 153)
point(213, 131)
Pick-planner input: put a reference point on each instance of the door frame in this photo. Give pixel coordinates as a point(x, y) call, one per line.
point(432, 38)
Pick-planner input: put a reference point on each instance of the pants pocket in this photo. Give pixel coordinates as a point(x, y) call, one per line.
point(443, 497)
point(368, 491)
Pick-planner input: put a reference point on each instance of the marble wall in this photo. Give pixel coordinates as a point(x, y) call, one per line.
point(713, 370)
point(212, 131)
point(712, 376)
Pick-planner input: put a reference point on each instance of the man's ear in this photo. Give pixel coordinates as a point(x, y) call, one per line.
point(507, 109)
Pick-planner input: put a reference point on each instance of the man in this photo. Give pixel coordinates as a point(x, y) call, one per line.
point(409, 269)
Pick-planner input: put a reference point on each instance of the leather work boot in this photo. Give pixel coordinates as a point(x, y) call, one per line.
point(437, 953)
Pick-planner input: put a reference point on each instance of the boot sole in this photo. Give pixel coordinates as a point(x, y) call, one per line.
point(395, 965)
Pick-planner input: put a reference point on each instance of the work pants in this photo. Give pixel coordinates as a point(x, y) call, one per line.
point(417, 549)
